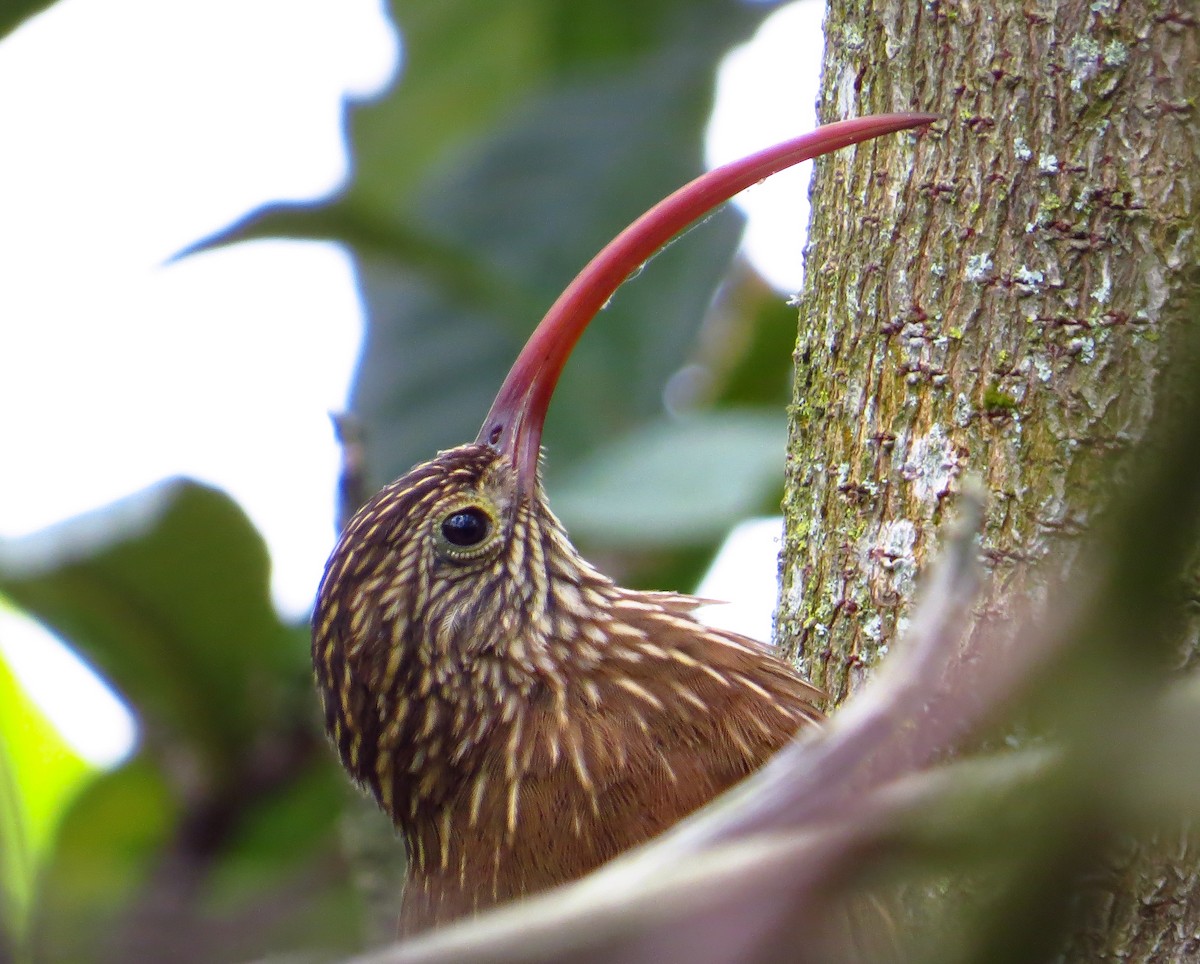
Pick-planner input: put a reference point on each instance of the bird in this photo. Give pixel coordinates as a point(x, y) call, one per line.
point(521, 717)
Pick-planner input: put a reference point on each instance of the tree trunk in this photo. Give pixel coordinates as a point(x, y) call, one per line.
point(997, 297)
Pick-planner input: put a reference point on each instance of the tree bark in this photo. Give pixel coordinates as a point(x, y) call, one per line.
point(996, 297)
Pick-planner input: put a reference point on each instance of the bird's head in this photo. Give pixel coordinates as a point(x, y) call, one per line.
point(454, 584)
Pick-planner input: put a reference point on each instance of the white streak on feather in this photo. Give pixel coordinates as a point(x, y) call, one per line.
point(750, 684)
point(592, 693)
point(477, 792)
point(714, 674)
point(514, 802)
point(431, 719)
point(445, 838)
point(686, 693)
point(735, 735)
point(639, 691)
point(580, 764)
point(514, 744)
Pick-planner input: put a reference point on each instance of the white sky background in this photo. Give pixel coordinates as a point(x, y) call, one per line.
point(132, 128)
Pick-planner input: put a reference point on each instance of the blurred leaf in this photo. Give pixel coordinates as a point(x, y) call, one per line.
point(674, 482)
point(282, 880)
point(166, 592)
point(39, 776)
point(108, 844)
point(754, 363)
point(469, 64)
point(533, 200)
point(520, 138)
point(278, 837)
point(125, 875)
point(15, 12)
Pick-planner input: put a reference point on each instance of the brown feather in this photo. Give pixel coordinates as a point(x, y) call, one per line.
point(520, 717)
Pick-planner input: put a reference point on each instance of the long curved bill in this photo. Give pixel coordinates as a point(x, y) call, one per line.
point(514, 424)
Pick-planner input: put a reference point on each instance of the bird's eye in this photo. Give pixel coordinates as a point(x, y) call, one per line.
point(465, 532)
point(465, 528)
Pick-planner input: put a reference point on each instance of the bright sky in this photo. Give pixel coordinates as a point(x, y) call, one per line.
point(140, 127)
point(766, 93)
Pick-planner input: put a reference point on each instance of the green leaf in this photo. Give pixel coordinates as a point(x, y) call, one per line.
point(166, 592)
point(470, 64)
point(750, 357)
point(674, 483)
point(13, 13)
point(533, 199)
point(109, 843)
point(520, 138)
point(278, 837)
point(39, 776)
point(130, 848)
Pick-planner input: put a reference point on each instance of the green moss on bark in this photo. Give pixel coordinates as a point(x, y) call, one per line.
point(993, 297)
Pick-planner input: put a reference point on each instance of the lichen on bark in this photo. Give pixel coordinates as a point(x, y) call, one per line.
point(989, 297)
point(997, 296)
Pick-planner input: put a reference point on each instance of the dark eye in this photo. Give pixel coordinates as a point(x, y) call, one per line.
point(466, 527)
